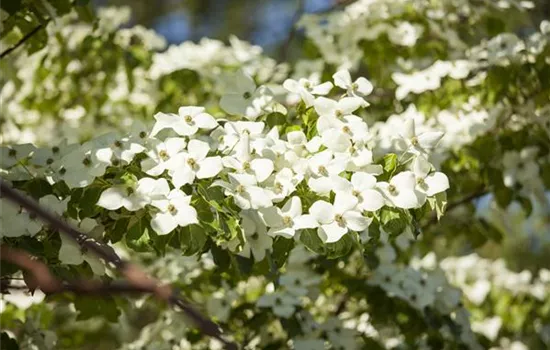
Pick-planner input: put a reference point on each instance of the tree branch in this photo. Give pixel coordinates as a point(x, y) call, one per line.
point(137, 278)
point(23, 40)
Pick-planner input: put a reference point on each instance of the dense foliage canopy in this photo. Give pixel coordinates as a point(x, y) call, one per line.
point(386, 189)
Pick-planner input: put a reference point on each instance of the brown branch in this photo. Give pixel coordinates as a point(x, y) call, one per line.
point(23, 39)
point(135, 276)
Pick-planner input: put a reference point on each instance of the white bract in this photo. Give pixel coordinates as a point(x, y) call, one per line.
point(175, 210)
point(161, 155)
point(401, 191)
point(306, 89)
point(135, 195)
point(334, 220)
point(194, 164)
point(244, 99)
point(359, 87)
point(245, 191)
point(187, 122)
point(363, 187)
point(281, 220)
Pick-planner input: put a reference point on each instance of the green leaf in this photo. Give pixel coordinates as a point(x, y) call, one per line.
point(119, 229)
point(87, 203)
point(137, 237)
point(438, 203)
point(526, 205)
point(221, 257)
point(390, 163)
point(192, 239)
point(281, 249)
point(311, 240)
point(394, 221)
point(38, 188)
point(275, 119)
point(6, 342)
point(93, 307)
point(341, 248)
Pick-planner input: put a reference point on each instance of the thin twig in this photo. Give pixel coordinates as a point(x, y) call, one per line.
point(23, 40)
point(135, 276)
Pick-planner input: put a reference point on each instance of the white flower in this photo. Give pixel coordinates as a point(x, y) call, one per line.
point(401, 191)
point(194, 163)
point(362, 186)
point(361, 86)
point(255, 232)
point(244, 99)
point(282, 304)
point(71, 253)
point(283, 183)
point(261, 168)
point(80, 167)
point(324, 167)
point(429, 183)
point(126, 148)
point(329, 108)
point(175, 210)
point(409, 141)
point(10, 155)
point(281, 220)
point(160, 157)
point(238, 133)
point(186, 123)
point(245, 191)
point(306, 89)
point(297, 282)
point(16, 222)
point(334, 221)
point(134, 196)
point(219, 304)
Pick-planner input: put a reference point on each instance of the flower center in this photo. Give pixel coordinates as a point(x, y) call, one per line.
point(163, 155)
point(278, 187)
point(322, 170)
point(247, 95)
point(287, 221)
point(346, 129)
point(255, 236)
point(392, 190)
point(172, 209)
point(118, 144)
point(192, 162)
point(355, 193)
point(142, 135)
point(49, 161)
point(55, 149)
point(129, 190)
point(87, 162)
point(354, 86)
point(62, 171)
point(339, 219)
point(246, 165)
point(414, 141)
point(307, 85)
point(338, 113)
point(239, 189)
point(116, 162)
point(188, 119)
point(352, 150)
point(12, 153)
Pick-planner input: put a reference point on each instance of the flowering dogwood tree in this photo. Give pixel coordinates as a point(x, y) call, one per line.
point(385, 190)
